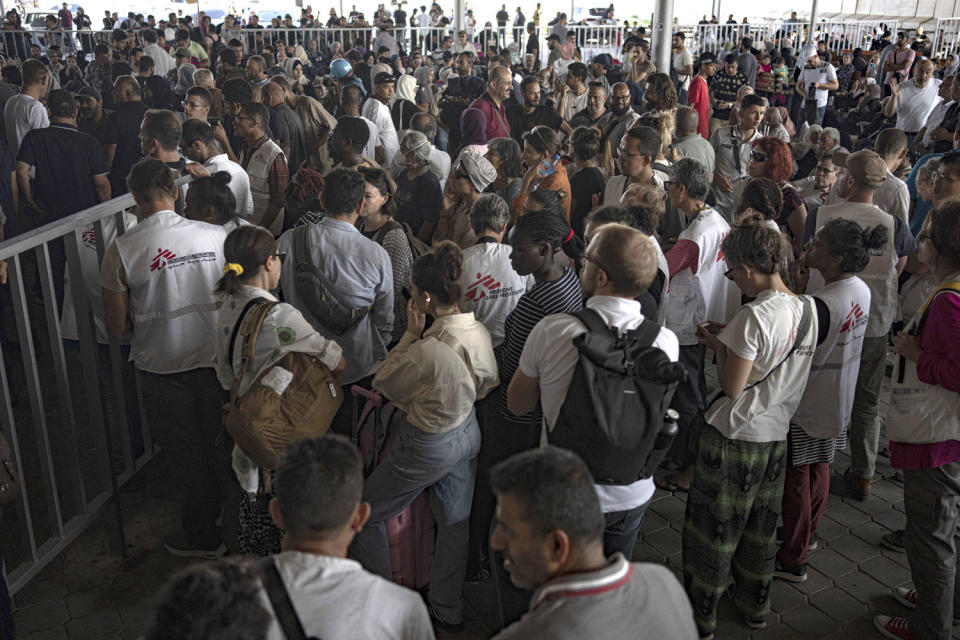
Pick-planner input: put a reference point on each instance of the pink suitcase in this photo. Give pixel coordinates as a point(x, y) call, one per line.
point(411, 533)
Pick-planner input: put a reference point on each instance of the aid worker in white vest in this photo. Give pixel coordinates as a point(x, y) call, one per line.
point(699, 293)
point(158, 281)
point(864, 173)
point(266, 165)
point(818, 429)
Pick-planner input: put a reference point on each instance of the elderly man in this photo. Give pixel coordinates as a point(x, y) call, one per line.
point(491, 103)
point(937, 134)
point(815, 188)
point(829, 142)
point(913, 100)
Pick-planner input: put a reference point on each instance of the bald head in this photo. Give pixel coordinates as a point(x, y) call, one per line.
point(126, 89)
point(687, 121)
point(273, 94)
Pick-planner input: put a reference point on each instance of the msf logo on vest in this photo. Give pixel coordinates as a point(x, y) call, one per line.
point(481, 287)
point(853, 319)
point(160, 260)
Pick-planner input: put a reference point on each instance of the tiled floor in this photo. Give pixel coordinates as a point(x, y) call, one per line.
point(86, 593)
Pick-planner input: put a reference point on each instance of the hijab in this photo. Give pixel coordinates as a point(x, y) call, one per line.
point(184, 79)
point(473, 129)
point(407, 88)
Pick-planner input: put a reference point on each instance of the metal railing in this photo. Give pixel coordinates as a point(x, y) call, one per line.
point(946, 39)
point(69, 405)
point(840, 35)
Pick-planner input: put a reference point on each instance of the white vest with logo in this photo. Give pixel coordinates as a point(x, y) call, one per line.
point(172, 266)
point(881, 272)
point(922, 413)
point(665, 290)
point(90, 276)
point(259, 171)
point(698, 297)
point(825, 408)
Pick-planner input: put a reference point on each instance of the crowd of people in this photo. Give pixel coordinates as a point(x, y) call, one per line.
point(430, 225)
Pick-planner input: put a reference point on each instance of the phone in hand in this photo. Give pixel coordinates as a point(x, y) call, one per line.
point(710, 328)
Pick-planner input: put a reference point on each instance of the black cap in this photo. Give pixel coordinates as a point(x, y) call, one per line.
point(707, 58)
point(384, 78)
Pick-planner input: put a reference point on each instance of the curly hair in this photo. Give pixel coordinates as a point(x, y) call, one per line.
point(779, 158)
point(751, 242)
point(762, 195)
point(661, 94)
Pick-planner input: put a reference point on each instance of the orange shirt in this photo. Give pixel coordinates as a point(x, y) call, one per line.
point(557, 181)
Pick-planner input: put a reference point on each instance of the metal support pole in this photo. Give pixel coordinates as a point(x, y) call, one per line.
point(813, 21)
point(661, 28)
point(458, 11)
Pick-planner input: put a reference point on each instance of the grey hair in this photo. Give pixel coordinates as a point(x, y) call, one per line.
point(693, 175)
point(832, 132)
point(490, 212)
point(416, 143)
point(928, 168)
point(814, 130)
point(425, 124)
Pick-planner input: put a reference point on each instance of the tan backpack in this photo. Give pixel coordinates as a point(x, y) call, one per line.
point(264, 422)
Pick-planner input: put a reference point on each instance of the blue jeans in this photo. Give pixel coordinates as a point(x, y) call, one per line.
point(445, 463)
point(621, 530)
point(820, 112)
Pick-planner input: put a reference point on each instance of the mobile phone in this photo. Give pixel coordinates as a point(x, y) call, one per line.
point(710, 328)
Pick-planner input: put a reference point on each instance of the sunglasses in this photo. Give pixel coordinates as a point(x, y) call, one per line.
point(282, 256)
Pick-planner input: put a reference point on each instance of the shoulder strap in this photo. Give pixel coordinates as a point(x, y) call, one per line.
point(250, 326)
point(644, 333)
point(280, 601)
point(236, 327)
point(802, 329)
point(593, 321)
point(496, 112)
point(382, 232)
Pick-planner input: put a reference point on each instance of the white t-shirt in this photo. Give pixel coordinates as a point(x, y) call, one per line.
point(764, 331)
point(21, 114)
point(239, 182)
point(370, 151)
point(335, 598)
point(550, 355)
point(491, 288)
point(822, 74)
point(574, 104)
point(379, 114)
point(682, 59)
point(915, 104)
point(893, 196)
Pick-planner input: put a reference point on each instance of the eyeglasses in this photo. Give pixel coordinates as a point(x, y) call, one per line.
point(281, 256)
point(668, 183)
point(587, 258)
point(923, 235)
point(759, 156)
point(728, 273)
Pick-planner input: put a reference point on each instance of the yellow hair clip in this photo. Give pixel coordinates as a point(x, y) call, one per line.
point(233, 266)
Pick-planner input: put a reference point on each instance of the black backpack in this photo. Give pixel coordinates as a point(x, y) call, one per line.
point(614, 412)
point(316, 291)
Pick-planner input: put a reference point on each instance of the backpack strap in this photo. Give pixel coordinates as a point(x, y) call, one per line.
point(802, 329)
point(236, 327)
point(387, 227)
point(280, 600)
point(250, 325)
point(915, 330)
point(593, 321)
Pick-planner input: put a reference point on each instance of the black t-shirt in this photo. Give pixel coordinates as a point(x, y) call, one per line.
point(65, 160)
point(521, 122)
point(502, 17)
point(123, 130)
point(583, 186)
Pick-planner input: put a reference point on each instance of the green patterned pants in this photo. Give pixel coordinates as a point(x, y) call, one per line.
point(730, 526)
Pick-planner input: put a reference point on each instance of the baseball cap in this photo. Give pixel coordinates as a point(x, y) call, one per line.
point(553, 36)
point(183, 52)
point(867, 167)
point(89, 92)
point(602, 59)
point(384, 78)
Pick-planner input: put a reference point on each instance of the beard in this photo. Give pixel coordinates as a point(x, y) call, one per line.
point(620, 110)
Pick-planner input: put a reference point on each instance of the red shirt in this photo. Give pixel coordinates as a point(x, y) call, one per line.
point(497, 126)
point(698, 97)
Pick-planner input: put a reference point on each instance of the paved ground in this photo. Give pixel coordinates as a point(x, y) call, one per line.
point(87, 594)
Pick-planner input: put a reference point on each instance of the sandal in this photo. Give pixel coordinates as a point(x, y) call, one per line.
point(667, 484)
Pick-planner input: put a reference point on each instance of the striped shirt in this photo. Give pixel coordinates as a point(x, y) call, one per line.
point(562, 295)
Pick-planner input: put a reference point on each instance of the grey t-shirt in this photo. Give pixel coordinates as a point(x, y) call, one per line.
point(601, 605)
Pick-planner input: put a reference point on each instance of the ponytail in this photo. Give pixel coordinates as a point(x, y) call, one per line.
point(244, 251)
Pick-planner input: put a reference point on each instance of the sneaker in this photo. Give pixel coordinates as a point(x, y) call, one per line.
point(441, 625)
point(908, 598)
point(894, 628)
point(790, 574)
point(756, 622)
point(179, 545)
point(893, 541)
point(813, 545)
